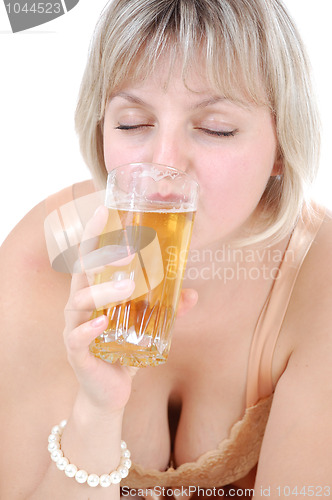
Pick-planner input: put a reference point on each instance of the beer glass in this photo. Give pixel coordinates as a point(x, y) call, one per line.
point(151, 214)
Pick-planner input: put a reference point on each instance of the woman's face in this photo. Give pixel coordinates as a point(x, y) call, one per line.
point(228, 148)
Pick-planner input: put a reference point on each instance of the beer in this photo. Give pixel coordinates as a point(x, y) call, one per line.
point(157, 242)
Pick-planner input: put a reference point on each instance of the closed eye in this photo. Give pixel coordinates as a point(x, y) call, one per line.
point(218, 133)
point(133, 127)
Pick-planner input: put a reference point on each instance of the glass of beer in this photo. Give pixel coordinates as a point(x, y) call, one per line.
point(151, 213)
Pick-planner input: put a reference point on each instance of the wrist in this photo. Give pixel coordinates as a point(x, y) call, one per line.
point(92, 437)
point(86, 412)
point(81, 475)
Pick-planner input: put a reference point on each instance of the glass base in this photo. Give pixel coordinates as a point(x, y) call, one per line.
point(127, 354)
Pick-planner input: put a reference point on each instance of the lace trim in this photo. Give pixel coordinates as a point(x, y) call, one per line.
point(232, 460)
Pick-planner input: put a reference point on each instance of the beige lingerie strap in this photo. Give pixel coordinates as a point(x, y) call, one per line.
point(259, 380)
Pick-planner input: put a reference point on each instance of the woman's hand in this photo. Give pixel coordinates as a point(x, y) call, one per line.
point(106, 386)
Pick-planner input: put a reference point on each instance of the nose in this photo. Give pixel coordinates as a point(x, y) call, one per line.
point(170, 148)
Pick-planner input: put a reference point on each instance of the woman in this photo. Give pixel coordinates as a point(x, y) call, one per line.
point(220, 89)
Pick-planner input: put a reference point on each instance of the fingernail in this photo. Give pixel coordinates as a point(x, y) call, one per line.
point(98, 210)
point(121, 285)
point(120, 276)
point(98, 321)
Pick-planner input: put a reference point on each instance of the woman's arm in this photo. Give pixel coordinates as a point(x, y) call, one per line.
point(38, 385)
point(297, 447)
point(47, 376)
point(92, 436)
point(295, 459)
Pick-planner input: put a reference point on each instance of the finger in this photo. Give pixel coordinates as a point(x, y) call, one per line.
point(188, 299)
point(77, 341)
point(92, 230)
point(115, 255)
point(96, 296)
point(81, 304)
point(103, 384)
point(108, 271)
point(90, 240)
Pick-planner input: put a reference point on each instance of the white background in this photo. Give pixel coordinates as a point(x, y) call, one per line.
point(41, 69)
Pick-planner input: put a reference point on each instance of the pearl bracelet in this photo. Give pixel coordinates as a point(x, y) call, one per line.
point(81, 476)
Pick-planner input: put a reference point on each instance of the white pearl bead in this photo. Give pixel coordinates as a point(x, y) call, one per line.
point(126, 462)
point(126, 453)
point(55, 455)
point(53, 446)
point(56, 429)
point(105, 480)
point(123, 471)
point(115, 477)
point(62, 463)
point(70, 470)
point(53, 438)
point(93, 480)
point(81, 476)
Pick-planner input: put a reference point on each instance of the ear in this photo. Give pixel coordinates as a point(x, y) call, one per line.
point(278, 166)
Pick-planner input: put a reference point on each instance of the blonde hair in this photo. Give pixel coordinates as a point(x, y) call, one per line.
point(250, 41)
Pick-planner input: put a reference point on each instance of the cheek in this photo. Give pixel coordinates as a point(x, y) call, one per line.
point(233, 183)
point(107, 149)
point(116, 153)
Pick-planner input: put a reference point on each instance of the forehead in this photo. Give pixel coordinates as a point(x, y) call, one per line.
point(167, 77)
point(194, 75)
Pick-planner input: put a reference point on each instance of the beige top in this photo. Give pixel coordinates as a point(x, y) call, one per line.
point(238, 454)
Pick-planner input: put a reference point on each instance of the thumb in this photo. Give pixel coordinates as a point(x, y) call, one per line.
point(188, 300)
point(132, 370)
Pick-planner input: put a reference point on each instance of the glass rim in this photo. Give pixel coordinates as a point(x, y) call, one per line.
point(180, 173)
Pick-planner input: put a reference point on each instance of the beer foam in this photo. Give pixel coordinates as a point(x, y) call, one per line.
point(158, 175)
point(162, 208)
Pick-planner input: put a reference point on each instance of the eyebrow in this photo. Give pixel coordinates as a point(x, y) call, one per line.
point(208, 102)
point(130, 98)
point(136, 100)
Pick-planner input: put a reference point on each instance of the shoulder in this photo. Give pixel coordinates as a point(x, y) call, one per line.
point(313, 286)
point(308, 319)
point(26, 242)
point(308, 322)
point(28, 282)
point(33, 297)
point(314, 291)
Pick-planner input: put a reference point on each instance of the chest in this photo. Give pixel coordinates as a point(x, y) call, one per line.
point(186, 407)
point(178, 410)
